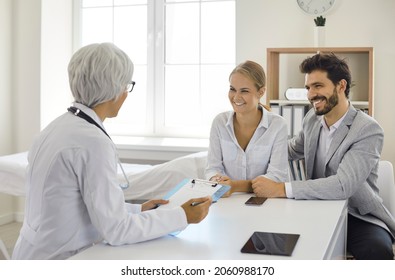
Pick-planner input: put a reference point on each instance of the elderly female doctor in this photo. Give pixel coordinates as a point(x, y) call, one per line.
point(73, 196)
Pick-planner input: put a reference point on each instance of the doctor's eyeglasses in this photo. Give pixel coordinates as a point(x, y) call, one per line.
point(130, 86)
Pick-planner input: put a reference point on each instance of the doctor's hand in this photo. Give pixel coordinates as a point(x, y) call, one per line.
point(196, 209)
point(152, 204)
point(265, 187)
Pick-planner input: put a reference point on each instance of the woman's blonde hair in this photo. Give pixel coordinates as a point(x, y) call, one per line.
point(253, 71)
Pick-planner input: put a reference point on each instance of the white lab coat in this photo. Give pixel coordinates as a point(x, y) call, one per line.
point(73, 196)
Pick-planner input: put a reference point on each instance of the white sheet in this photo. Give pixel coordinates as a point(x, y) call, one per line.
point(146, 181)
point(12, 174)
point(156, 182)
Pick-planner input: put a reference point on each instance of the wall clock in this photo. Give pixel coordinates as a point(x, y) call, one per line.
point(316, 7)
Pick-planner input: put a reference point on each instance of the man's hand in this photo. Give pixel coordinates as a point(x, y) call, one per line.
point(265, 187)
point(152, 204)
point(196, 209)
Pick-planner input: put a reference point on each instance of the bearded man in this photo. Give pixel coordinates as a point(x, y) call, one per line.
point(341, 147)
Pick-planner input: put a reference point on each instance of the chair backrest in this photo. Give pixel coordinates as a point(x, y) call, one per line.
point(3, 251)
point(386, 184)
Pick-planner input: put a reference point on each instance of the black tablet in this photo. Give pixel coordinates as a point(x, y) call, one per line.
point(270, 243)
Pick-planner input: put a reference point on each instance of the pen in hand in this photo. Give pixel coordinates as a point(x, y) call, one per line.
point(196, 203)
point(200, 202)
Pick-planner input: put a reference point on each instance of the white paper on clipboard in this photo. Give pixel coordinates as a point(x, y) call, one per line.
point(193, 188)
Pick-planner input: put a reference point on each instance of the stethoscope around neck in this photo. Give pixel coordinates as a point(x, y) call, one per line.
point(77, 112)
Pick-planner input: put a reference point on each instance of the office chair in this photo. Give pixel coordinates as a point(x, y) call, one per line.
point(386, 184)
point(3, 251)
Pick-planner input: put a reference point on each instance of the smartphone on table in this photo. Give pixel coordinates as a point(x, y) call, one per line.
point(254, 200)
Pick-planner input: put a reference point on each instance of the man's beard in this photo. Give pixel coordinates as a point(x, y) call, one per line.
point(329, 104)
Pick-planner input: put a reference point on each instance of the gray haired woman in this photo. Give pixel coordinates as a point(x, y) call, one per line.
point(73, 196)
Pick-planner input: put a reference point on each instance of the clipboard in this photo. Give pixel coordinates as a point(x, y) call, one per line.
point(194, 188)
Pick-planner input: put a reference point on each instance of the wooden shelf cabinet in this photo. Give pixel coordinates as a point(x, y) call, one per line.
point(360, 61)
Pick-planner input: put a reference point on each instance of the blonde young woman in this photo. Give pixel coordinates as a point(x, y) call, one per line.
point(249, 141)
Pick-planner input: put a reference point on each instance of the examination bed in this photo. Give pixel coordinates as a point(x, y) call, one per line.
point(146, 181)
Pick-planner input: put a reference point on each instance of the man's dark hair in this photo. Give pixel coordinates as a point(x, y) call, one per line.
point(336, 68)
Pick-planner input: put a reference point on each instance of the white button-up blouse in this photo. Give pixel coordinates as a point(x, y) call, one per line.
point(266, 153)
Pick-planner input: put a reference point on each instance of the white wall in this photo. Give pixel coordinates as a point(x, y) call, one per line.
point(6, 118)
point(35, 48)
point(19, 85)
point(26, 45)
point(56, 50)
point(265, 24)
point(42, 43)
point(6, 96)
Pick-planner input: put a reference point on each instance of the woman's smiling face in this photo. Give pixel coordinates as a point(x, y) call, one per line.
point(243, 94)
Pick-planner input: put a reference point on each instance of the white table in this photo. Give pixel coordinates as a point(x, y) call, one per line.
point(322, 226)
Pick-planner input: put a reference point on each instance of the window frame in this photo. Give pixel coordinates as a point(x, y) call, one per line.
point(155, 95)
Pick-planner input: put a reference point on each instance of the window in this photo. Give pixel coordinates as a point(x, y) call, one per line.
point(183, 51)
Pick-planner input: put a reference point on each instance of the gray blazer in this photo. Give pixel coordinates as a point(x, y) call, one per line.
point(351, 166)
